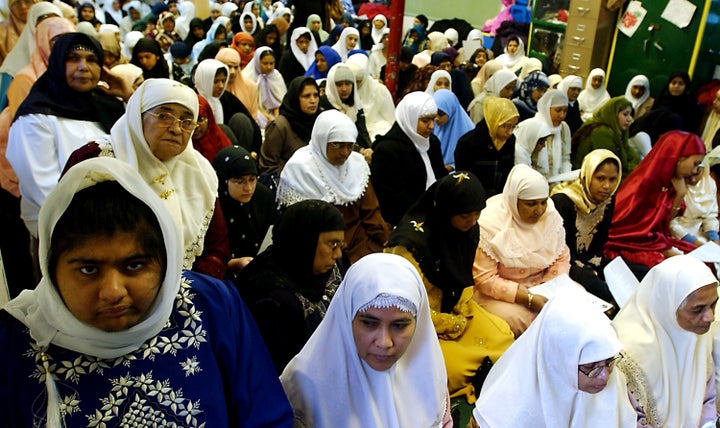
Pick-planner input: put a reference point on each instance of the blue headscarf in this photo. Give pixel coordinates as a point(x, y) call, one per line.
point(331, 57)
point(536, 79)
point(416, 46)
point(458, 125)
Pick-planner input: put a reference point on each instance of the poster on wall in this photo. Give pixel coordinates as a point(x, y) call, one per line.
point(679, 12)
point(632, 18)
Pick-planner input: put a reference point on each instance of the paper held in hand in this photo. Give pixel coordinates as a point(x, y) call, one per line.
point(563, 283)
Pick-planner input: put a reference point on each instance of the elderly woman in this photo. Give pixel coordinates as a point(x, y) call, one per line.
point(666, 345)
point(154, 136)
point(374, 361)
point(559, 373)
point(411, 147)
point(289, 285)
point(328, 169)
point(522, 244)
point(115, 326)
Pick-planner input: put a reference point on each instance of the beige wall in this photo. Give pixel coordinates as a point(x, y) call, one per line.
point(476, 12)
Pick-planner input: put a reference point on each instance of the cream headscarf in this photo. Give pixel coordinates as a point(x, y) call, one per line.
point(673, 365)
point(329, 385)
point(539, 372)
point(409, 110)
point(506, 238)
point(186, 183)
point(498, 111)
point(568, 82)
point(309, 175)
point(342, 73)
point(437, 75)
point(496, 83)
point(579, 190)
point(205, 79)
point(527, 134)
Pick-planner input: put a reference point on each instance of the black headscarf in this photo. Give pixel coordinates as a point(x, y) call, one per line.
point(300, 122)
point(52, 96)
point(683, 105)
point(445, 254)
point(161, 69)
point(260, 40)
point(191, 39)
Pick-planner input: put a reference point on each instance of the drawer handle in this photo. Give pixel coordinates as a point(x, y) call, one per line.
point(581, 28)
point(573, 67)
point(583, 10)
point(578, 40)
point(576, 56)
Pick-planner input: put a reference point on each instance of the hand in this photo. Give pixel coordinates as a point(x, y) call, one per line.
point(538, 302)
point(116, 86)
point(680, 186)
point(239, 263)
point(367, 154)
point(671, 252)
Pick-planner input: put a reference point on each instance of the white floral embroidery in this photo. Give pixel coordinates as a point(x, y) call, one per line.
point(191, 366)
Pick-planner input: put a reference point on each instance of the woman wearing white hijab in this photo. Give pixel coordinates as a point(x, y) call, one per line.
point(544, 373)
point(343, 45)
point(205, 74)
point(378, 30)
point(328, 169)
point(337, 381)
point(552, 109)
point(182, 22)
point(514, 54)
point(127, 314)
point(435, 83)
point(638, 93)
point(666, 346)
point(698, 222)
point(594, 95)
point(295, 62)
point(530, 137)
point(501, 84)
point(341, 93)
point(271, 86)
point(377, 102)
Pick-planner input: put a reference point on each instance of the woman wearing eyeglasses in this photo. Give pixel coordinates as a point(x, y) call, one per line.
point(329, 169)
point(559, 373)
point(154, 136)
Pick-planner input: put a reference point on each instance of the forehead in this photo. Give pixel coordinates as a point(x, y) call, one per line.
point(389, 314)
point(703, 296)
point(172, 108)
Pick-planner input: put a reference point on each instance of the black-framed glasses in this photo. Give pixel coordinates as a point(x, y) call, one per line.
point(335, 244)
point(168, 119)
point(339, 146)
point(610, 363)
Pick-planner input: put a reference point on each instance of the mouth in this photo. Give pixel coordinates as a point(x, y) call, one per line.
point(115, 311)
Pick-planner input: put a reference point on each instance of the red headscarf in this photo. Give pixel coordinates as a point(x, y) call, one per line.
point(214, 139)
point(239, 37)
point(640, 224)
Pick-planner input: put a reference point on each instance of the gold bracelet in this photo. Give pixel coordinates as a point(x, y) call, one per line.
point(530, 297)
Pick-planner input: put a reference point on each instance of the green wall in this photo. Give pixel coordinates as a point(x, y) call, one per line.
point(476, 12)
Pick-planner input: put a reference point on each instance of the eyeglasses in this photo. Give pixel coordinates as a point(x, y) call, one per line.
point(336, 243)
point(167, 120)
point(339, 146)
point(610, 363)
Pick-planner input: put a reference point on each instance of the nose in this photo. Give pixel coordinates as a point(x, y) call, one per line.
point(337, 253)
point(604, 373)
point(112, 288)
point(383, 339)
point(709, 315)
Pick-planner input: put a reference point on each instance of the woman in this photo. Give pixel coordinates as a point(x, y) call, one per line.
point(522, 244)
point(559, 373)
point(288, 286)
point(131, 74)
point(341, 95)
point(248, 207)
point(638, 93)
point(315, 24)
point(586, 206)
point(269, 36)
point(711, 123)
point(296, 61)
point(677, 98)
point(328, 169)
point(113, 303)
point(64, 110)
point(698, 222)
point(216, 33)
point(650, 197)
point(196, 32)
point(167, 35)
point(348, 41)
point(208, 138)
point(247, 23)
point(667, 350)
point(552, 110)
point(379, 24)
point(513, 57)
point(530, 91)
point(500, 84)
point(86, 13)
point(377, 102)
point(13, 25)
point(336, 380)
point(571, 86)
point(410, 147)
point(148, 55)
point(607, 129)
point(486, 71)
point(244, 45)
point(271, 86)
point(244, 90)
point(488, 151)
point(325, 59)
point(439, 79)
point(439, 236)
point(530, 145)
point(594, 95)
point(451, 123)
point(416, 39)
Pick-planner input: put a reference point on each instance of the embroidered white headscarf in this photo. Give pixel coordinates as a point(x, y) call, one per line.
point(309, 175)
point(409, 110)
point(305, 59)
point(329, 385)
point(205, 79)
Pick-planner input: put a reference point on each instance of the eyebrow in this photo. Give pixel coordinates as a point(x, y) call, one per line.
point(90, 260)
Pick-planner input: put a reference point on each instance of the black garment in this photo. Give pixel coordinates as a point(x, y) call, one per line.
point(398, 172)
point(363, 140)
point(526, 111)
point(403, 80)
point(179, 75)
point(656, 123)
point(15, 246)
point(52, 96)
point(300, 122)
point(110, 20)
point(190, 40)
point(161, 68)
point(366, 42)
point(475, 152)
point(461, 87)
point(276, 47)
point(232, 105)
point(573, 118)
point(684, 105)
point(290, 67)
point(445, 254)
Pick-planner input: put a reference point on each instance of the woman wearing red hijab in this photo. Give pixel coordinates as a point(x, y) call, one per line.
point(208, 138)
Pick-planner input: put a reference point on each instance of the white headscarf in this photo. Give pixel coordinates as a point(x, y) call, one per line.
point(305, 59)
point(331, 92)
point(131, 40)
point(210, 36)
point(639, 80)
point(438, 41)
point(182, 22)
point(506, 238)
point(568, 82)
point(115, 14)
point(492, 87)
point(675, 363)
point(528, 66)
point(452, 35)
point(513, 62)
point(20, 54)
point(559, 145)
point(592, 99)
point(340, 46)
point(437, 74)
point(527, 134)
point(254, 21)
point(271, 86)
point(204, 79)
point(375, 33)
point(309, 175)
point(377, 102)
point(228, 8)
point(329, 385)
point(409, 110)
point(186, 183)
point(539, 373)
point(43, 311)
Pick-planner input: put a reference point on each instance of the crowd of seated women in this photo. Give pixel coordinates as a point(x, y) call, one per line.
point(233, 222)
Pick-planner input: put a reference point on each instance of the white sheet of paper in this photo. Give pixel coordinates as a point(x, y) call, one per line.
point(620, 280)
point(470, 46)
point(267, 240)
point(565, 176)
point(708, 253)
point(4, 292)
point(679, 12)
point(563, 282)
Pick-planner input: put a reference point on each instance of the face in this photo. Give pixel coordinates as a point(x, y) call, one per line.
point(625, 118)
point(315, 25)
point(531, 210)
point(267, 64)
point(147, 60)
point(688, 166)
point(558, 114)
point(82, 70)
point(596, 82)
point(320, 62)
point(198, 32)
point(351, 42)
point(219, 83)
point(344, 89)
point(233, 67)
point(246, 47)
point(108, 282)
point(505, 130)
point(339, 151)
point(697, 311)
point(637, 91)
point(695, 178)
point(168, 25)
point(309, 99)
point(441, 118)
point(445, 65)
point(220, 34)
point(465, 222)
point(382, 335)
point(134, 14)
point(676, 86)
point(87, 13)
point(512, 47)
point(507, 91)
point(328, 251)
point(442, 83)
point(378, 24)
point(215, 14)
point(109, 58)
point(537, 93)
point(303, 44)
point(270, 39)
point(201, 128)
point(425, 126)
point(593, 385)
point(572, 94)
point(166, 142)
point(255, 10)
point(242, 188)
point(481, 58)
point(248, 24)
point(603, 182)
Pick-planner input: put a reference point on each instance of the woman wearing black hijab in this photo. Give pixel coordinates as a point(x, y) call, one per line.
point(196, 33)
point(676, 98)
point(288, 287)
point(148, 55)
